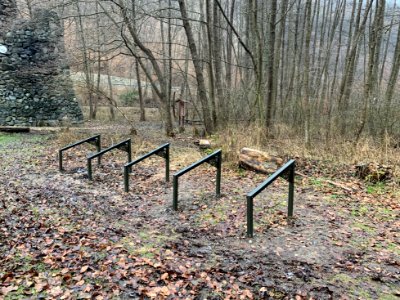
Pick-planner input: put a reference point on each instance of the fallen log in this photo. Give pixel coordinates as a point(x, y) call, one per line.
point(204, 144)
point(339, 185)
point(14, 129)
point(258, 161)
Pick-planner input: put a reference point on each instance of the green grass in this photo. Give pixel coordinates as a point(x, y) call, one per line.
point(316, 182)
point(386, 214)
point(146, 249)
point(378, 188)
point(355, 287)
point(362, 210)
point(395, 248)
point(8, 138)
point(388, 297)
point(364, 227)
point(341, 278)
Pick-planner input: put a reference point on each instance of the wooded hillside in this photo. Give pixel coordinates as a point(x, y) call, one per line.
point(320, 68)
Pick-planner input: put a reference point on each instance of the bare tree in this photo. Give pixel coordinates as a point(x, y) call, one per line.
point(209, 126)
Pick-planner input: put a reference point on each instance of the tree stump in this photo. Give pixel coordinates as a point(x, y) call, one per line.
point(373, 172)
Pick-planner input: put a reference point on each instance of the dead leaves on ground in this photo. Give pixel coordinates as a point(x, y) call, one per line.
point(68, 238)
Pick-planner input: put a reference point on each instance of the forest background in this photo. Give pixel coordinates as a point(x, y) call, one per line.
point(319, 71)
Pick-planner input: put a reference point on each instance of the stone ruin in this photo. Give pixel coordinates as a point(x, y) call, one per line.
point(35, 87)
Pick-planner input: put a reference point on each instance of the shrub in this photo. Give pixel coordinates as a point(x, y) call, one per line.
point(129, 98)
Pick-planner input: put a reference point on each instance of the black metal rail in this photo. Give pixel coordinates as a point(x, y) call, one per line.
point(94, 140)
point(288, 167)
point(162, 151)
point(214, 159)
point(123, 146)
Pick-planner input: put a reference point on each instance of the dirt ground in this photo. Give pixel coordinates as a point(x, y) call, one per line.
point(65, 237)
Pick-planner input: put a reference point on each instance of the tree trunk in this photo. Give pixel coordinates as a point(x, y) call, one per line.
point(140, 91)
point(86, 66)
point(270, 95)
point(306, 83)
point(370, 87)
point(349, 72)
point(111, 93)
point(209, 126)
point(209, 50)
point(160, 87)
point(217, 48)
point(229, 47)
point(394, 73)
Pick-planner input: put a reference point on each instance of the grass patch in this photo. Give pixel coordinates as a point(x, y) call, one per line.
point(366, 228)
point(146, 244)
point(318, 182)
point(395, 248)
point(133, 113)
point(361, 211)
point(342, 278)
point(378, 188)
point(8, 138)
point(337, 197)
point(356, 287)
point(388, 297)
point(146, 250)
point(386, 214)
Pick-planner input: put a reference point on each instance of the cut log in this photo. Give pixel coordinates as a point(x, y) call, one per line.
point(259, 161)
point(203, 144)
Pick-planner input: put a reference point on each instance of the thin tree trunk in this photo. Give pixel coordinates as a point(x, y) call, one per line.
point(209, 45)
point(280, 54)
point(140, 91)
point(394, 73)
point(111, 93)
point(351, 57)
point(269, 99)
point(258, 71)
point(217, 49)
point(229, 50)
point(209, 126)
point(160, 87)
point(370, 86)
point(307, 93)
point(86, 66)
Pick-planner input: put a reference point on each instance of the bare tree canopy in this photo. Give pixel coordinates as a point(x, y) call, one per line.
point(319, 67)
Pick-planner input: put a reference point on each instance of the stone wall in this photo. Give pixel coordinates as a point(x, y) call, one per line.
point(35, 87)
point(8, 13)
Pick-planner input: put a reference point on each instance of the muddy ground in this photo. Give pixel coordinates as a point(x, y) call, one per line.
point(65, 237)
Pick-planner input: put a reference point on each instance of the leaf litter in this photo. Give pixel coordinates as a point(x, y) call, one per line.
point(65, 237)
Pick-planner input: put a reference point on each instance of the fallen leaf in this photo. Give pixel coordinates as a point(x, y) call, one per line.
point(84, 269)
point(56, 291)
point(165, 291)
point(6, 290)
point(80, 283)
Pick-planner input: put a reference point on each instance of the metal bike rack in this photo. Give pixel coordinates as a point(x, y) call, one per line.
point(123, 146)
point(94, 140)
point(288, 167)
point(214, 159)
point(162, 151)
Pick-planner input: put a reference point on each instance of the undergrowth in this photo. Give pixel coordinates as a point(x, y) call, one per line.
point(286, 144)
